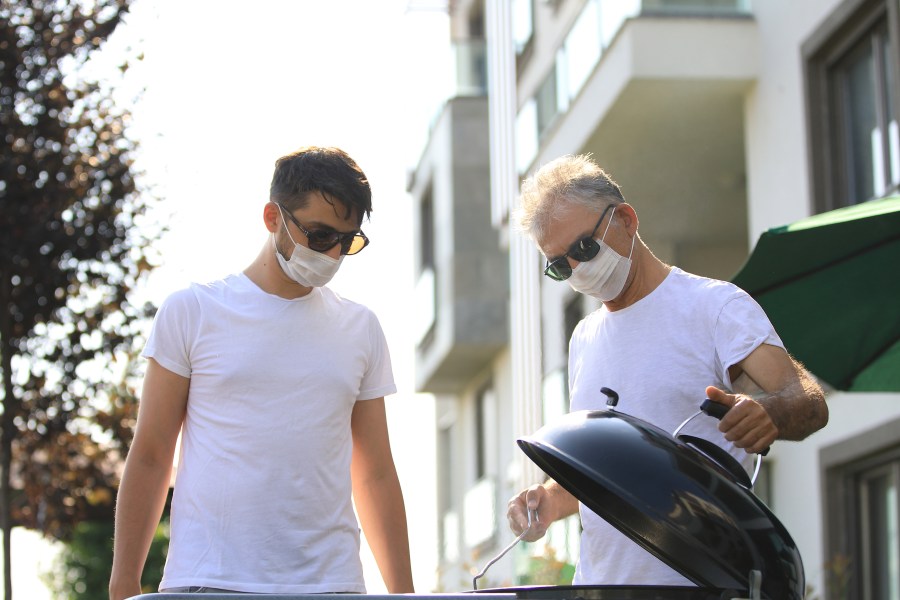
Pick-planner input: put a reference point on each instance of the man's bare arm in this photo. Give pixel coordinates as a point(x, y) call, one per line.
point(379, 499)
point(145, 481)
point(786, 402)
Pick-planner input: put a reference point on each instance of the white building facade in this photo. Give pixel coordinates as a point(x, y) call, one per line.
point(719, 119)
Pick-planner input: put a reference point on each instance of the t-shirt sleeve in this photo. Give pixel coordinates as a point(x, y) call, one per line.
point(169, 340)
point(741, 328)
point(378, 380)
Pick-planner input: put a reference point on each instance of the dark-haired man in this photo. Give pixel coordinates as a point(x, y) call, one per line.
point(277, 386)
point(662, 339)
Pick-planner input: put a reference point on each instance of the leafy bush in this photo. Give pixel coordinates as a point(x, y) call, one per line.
point(84, 564)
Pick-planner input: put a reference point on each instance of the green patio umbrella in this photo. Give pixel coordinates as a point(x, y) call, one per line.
point(831, 286)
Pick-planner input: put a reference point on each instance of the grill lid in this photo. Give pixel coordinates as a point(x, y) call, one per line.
point(671, 499)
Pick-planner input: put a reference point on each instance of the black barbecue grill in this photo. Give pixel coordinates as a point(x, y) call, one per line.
point(686, 503)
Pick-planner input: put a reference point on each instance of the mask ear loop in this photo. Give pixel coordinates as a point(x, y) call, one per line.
point(284, 224)
point(277, 249)
point(630, 252)
point(611, 215)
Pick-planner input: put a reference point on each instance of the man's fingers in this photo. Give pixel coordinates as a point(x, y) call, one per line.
point(518, 509)
point(747, 425)
point(514, 513)
point(720, 396)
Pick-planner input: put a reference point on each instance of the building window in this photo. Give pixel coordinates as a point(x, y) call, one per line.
point(863, 516)
point(876, 490)
point(584, 44)
point(547, 99)
point(426, 231)
point(526, 135)
point(426, 280)
point(448, 526)
point(479, 504)
point(523, 24)
point(853, 70)
point(485, 407)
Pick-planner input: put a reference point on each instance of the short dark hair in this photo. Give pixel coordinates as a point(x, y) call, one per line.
point(329, 171)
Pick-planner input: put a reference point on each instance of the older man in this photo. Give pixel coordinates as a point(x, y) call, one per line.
point(663, 338)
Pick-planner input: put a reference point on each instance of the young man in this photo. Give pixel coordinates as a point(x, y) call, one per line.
point(277, 386)
point(663, 339)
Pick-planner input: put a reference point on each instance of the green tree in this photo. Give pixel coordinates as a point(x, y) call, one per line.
point(70, 255)
point(83, 566)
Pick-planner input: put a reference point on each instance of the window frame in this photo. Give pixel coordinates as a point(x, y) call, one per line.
point(843, 464)
point(850, 23)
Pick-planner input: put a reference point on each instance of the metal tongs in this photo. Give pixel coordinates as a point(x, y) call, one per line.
point(531, 514)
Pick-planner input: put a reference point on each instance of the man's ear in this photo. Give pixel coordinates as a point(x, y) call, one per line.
point(272, 216)
point(629, 216)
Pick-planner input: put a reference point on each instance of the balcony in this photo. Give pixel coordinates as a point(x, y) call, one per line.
point(655, 90)
point(702, 45)
point(462, 287)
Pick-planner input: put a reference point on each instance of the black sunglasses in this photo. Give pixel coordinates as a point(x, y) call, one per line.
point(581, 250)
point(323, 240)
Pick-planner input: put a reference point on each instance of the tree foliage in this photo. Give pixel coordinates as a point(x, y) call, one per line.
point(83, 566)
point(71, 253)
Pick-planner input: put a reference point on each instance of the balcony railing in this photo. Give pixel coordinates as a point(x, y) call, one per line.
point(465, 65)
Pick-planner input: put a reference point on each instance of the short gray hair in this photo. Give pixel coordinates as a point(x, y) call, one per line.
point(569, 180)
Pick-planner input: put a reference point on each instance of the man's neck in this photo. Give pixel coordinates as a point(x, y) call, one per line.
point(268, 275)
point(647, 274)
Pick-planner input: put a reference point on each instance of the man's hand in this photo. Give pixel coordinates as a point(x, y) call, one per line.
point(548, 502)
point(747, 424)
point(534, 499)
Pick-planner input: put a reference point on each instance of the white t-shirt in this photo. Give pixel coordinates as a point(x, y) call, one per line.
point(262, 501)
point(659, 354)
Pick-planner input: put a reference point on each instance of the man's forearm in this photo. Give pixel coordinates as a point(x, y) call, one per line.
point(139, 505)
point(382, 513)
point(799, 409)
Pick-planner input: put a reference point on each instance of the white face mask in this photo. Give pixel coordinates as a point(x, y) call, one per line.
point(602, 277)
point(307, 267)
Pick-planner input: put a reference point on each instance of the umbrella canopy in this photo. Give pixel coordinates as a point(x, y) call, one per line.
point(831, 286)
